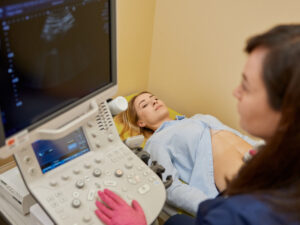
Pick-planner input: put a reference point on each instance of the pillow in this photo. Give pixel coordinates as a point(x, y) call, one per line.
point(127, 134)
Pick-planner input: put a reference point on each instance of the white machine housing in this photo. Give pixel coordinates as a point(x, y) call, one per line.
point(68, 192)
point(13, 189)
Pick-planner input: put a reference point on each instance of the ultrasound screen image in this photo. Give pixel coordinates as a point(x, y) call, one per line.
point(52, 53)
point(53, 153)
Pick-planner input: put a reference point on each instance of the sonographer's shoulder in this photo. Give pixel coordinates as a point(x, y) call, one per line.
point(239, 210)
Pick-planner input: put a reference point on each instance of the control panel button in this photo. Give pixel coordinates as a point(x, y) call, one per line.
point(132, 181)
point(119, 173)
point(150, 179)
point(53, 183)
point(50, 199)
point(87, 178)
point(31, 171)
point(54, 204)
point(65, 177)
point(63, 216)
point(140, 167)
point(76, 194)
point(80, 183)
point(144, 189)
point(76, 203)
point(27, 159)
point(98, 185)
point(146, 173)
point(130, 197)
point(110, 183)
point(98, 145)
point(128, 165)
point(86, 218)
point(97, 172)
point(87, 165)
point(58, 194)
point(62, 200)
point(107, 172)
point(91, 195)
point(98, 160)
point(110, 137)
point(76, 171)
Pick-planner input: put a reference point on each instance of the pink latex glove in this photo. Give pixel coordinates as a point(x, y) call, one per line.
point(117, 211)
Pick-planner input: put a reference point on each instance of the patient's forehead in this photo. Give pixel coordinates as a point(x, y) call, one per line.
point(143, 97)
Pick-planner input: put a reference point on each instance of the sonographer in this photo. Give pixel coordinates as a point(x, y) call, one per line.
point(267, 189)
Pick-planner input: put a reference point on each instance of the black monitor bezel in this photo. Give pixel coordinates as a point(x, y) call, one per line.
point(113, 69)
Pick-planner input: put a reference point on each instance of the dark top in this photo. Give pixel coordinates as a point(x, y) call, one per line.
point(235, 210)
point(238, 210)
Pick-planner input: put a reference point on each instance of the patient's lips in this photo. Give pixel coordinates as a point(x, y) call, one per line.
point(158, 107)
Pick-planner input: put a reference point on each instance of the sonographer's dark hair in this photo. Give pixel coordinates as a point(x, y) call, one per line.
point(274, 173)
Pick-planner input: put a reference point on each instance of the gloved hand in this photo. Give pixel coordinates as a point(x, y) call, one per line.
point(117, 211)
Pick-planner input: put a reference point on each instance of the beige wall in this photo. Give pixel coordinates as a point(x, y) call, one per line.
point(197, 45)
point(134, 43)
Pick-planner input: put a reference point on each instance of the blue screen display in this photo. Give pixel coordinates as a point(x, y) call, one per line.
point(53, 153)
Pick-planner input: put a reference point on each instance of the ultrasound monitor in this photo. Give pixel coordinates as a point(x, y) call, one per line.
point(54, 55)
point(57, 69)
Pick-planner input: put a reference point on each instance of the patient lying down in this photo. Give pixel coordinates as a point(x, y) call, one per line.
point(199, 152)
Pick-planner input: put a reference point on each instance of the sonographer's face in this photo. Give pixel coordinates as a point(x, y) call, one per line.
point(256, 115)
point(150, 110)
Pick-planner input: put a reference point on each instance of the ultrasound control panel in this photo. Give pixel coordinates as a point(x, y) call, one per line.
point(65, 174)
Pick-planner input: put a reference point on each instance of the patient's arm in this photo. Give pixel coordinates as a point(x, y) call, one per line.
point(179, 194)
point(228, 151)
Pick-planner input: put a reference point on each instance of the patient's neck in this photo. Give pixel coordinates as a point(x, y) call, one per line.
point(155, 126)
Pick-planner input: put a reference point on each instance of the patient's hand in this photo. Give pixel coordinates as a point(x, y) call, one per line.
point(228, 151)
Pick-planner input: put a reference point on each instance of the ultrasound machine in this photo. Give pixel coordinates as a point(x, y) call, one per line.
point(58, 67)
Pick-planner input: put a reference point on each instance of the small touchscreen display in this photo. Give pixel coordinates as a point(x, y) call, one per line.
point(53, 153)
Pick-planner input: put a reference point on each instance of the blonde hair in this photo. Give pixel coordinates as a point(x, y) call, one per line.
point(129, 119)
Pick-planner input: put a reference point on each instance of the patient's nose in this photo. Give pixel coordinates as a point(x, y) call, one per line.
point(237, 93)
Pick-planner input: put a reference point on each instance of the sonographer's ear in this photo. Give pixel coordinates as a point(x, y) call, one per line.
point(141, 123)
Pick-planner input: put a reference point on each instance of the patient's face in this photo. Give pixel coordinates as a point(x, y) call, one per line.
point(256, 115)
point(151, 111)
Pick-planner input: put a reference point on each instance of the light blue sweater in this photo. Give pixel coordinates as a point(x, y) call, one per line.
point(183, 148)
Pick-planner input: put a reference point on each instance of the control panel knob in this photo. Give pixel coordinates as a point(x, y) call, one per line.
point(97, 172)
point(118, 173)
point(76, 203)
point(80, 183)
